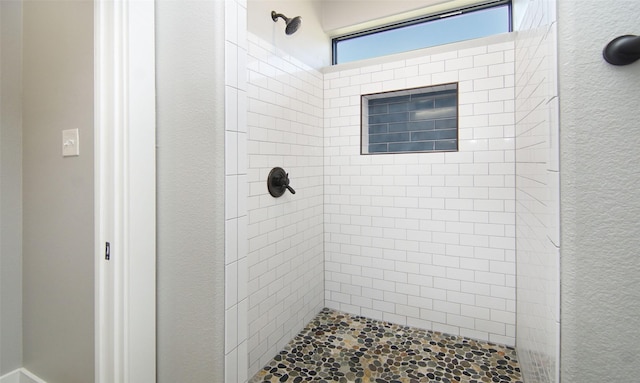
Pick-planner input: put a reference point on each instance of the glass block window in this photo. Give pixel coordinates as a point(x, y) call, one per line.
point(411, 121)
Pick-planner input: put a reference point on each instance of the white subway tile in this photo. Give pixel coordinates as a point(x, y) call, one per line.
point(492, 58)
point(506, 317)
point(477, 96)
point(231, 241)
point(459, 63)
point(396, 84)
point(499, 93)
point(476, 312)
point(406, 72)
point(446, 307)
point(460, 274)
point(231, 366)
point(231, 328)
point(491, 302)
point(463, 298)
point(460, 321)
point(489, 84)
point(231, 283)
point(490, 326)
point(433, 293)
point(419, 323)
point(231, 197)
point(433, 315)
point(420, 303)
point(472, 51)
point(431, 68)
point(475, 334)
point(383, 306)
point(231, 64)
point(393, 65)
point(444, 56)
point(394, 318)
point(503, 292)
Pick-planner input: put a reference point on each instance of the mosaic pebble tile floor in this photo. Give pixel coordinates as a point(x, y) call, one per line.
point(339, 347)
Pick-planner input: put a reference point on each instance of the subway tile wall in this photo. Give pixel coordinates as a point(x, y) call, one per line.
point(285, 235)
point(236, 189)
point(537, 193)
point(425, 239)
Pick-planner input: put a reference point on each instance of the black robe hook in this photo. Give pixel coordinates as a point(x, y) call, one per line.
point(622, 50)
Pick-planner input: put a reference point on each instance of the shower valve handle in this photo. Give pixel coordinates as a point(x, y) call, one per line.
point(278, 182)
point(284, 181)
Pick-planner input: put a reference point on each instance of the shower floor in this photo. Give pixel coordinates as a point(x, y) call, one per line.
point(338, 347)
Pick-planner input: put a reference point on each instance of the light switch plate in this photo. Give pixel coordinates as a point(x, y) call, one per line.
point(70, 143)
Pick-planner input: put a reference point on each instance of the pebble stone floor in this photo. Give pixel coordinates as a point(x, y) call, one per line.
point(338, 347)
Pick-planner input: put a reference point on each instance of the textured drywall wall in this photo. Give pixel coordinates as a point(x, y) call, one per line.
point(190, 188)
point(600, 203)
point(339, 14)
point(309, 44)
point(10, 186)
point(58, 245)
point(537, 191)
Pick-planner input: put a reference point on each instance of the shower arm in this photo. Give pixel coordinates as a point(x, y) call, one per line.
point(275, 16)
point(622, 50)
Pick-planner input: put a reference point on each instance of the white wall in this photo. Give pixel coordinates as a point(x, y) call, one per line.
point(600, 202)
point(427, 239)
point(58, 245)
point(190, 190)
point(10, 186)
point(537, 191)
point(285, 234)
point(345, 16)
point(309, 44)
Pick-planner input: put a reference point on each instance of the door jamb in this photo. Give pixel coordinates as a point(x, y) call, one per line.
point(125, 314)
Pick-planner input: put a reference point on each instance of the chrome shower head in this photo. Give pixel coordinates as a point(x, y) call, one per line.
point(292, 24)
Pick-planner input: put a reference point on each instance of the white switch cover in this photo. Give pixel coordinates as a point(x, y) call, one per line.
point(70, 143)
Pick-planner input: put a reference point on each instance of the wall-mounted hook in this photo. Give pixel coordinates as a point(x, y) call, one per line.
point(278, 182)
point(622, 50)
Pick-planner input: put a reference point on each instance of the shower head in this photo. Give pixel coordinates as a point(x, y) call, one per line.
point(292, 24)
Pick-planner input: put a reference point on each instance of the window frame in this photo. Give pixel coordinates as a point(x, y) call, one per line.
point(421, 20)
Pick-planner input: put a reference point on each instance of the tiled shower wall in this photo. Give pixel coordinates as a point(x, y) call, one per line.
point(426, 239)
point(236, 297)
point(285, 261)
point(537, 192)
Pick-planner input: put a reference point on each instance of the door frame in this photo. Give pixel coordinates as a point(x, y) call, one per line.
point(125, 182)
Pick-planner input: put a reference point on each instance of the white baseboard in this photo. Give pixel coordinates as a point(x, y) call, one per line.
point(12, 377)
point(20, 375)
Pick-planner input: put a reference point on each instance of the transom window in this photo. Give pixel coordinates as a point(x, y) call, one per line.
point(456, 25)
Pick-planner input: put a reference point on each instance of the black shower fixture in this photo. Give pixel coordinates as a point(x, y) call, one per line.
point(278, 182)
point(622, 50)
point(292, 24)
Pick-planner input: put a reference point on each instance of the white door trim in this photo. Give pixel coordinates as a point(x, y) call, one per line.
point(125, 191)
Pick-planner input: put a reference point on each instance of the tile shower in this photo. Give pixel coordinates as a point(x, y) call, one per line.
point(425, 240)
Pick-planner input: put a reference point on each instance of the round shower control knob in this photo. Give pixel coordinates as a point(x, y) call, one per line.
point(278, 182)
